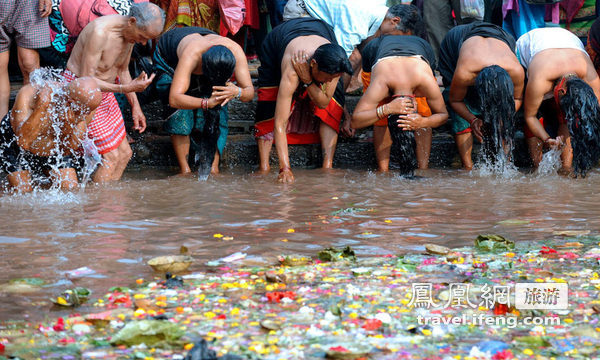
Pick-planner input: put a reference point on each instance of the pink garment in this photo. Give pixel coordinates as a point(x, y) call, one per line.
point(552, 11)
point(77, 14)
point(509, 5)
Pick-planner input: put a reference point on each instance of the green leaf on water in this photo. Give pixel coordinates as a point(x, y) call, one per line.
point(493, 243)
point(513, 222)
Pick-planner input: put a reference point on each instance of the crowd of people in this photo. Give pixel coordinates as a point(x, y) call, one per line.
point(495, 60)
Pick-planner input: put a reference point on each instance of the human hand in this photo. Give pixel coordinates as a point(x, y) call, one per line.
point(476, 126)
point(410, 122)
point(402, 105)
point(347, 130)
point(301, 65)
point(139, 119)
point(555, 144)
point(43, 96)
point(227, 92)
point(139, 83)
point(45, 7)
point(285, 176)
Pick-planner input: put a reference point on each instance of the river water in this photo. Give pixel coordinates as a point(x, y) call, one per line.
point(114, 229)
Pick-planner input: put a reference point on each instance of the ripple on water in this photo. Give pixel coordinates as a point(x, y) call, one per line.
point(12, 240)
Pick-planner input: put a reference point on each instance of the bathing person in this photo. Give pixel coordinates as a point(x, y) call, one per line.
point(102, 51)
point(300, 95)
point(486, 82)
point(562, 78)
point(406, 21)
point(401, 65)
point(193, 67)
point(44, 129)
point(26, 21)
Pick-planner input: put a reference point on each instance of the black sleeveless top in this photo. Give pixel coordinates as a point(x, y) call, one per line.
point(396, 45)
point(169, 41)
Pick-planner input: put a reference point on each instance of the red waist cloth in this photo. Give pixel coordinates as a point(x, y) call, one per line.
point(331, 115)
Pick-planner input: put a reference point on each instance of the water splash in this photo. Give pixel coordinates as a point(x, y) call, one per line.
point(61, 155)
point(44, 199)
point(550, 163)
point(499, 165)
point(91, 159)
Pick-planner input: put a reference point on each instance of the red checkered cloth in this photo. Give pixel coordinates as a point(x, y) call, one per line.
point(21, 19)
point(107, 128)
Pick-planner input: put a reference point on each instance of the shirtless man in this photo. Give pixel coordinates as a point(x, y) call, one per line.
point(193, 67)
point(564, 84)
point(400, 66)
point(300, 63)
point(45, 126)
point(481, 54)
point(102, 51)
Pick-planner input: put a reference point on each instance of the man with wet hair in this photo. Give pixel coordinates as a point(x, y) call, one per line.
point(44, 130)
point(300, 95)
point(563, 85)
point(102, 51)
point(193, 67)
point(400, 66)
point(484, 87)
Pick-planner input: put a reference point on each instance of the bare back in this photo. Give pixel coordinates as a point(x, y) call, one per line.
point(100, 50)
point(308, 43)
point(479, 52)
point(402, 75)
point(549, 65)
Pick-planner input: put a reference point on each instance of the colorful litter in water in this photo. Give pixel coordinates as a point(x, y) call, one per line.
point(443, 303)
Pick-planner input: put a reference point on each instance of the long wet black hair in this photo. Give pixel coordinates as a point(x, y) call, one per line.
point(218, 64)
point(496, 101)
point(332, 59)
point(582, 113)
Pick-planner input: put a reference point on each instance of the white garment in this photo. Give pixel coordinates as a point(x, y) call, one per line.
point(352, 20)
point(536, 40)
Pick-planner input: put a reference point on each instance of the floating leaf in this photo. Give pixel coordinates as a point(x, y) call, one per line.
point(335, 254)
point(493, 243)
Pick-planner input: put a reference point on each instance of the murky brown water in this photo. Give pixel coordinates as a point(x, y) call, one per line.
point(115, 229)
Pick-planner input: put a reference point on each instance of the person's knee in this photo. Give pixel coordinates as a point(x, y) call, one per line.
point(28, 64)
point(4, 59)
point(125, 154)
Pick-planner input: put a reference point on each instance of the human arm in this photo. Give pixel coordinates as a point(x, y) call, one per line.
point(178, 98)
point(289, 83)
point(139, 119)
point(30, 121)
point(365, 113)
point(518, 78)
point(356, 63)
point(536, 88)
point(45, 7)
point(320, 95)
point(458, 92)
point(347, 129)
point(242, 77)
point(439, 115)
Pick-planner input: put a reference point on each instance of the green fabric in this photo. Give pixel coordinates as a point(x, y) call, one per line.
point(181, 122)
point(457, 123)
point(583, 20)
